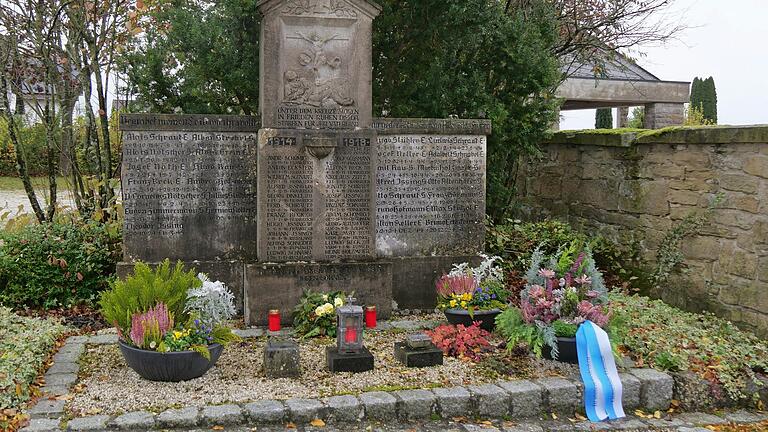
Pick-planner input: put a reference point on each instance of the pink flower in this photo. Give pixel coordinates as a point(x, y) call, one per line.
point(593, 294)
point(591, 312)
point(448, 285)
point(583, 280)
point(155, 322)
point(536, 291)
point(547, 273)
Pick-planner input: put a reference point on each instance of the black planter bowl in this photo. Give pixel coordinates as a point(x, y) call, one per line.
point(566, 348)
point(171, 366)
point(486, 318)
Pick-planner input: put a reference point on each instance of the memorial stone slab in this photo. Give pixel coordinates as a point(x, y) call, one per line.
point(280, 286)
point(430, 195)
point(188, 187)
point(316, 63)
point(315, 194)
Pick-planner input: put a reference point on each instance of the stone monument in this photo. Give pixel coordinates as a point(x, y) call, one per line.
point(315, 193)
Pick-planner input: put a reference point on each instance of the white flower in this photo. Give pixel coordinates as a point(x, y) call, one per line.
point(325, 297)
point(319, 310)
point(338, 302)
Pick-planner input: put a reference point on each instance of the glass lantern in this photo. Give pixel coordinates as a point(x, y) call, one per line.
point(349, 333)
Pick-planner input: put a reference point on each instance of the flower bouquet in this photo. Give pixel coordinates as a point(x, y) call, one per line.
point(560, 294)
point(468, 294)
point(315, 315)
point(170, 323)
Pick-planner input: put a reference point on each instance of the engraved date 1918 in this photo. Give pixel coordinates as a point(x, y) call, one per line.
point(356, 142)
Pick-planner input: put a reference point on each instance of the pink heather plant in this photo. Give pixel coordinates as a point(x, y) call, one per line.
point(457, 284)
point(151, 326)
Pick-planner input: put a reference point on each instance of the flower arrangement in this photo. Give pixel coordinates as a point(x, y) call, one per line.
point(170, 310)
point(315, 315)
point(467, 343)
point(560, 294)
point(473, 288)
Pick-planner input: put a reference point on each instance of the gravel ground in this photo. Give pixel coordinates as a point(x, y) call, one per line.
point(108, 386)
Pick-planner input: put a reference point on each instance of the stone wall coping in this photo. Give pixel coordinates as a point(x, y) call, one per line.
point(672, 135)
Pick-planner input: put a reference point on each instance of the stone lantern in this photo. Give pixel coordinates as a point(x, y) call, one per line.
point(349, 330)
point(349, 354)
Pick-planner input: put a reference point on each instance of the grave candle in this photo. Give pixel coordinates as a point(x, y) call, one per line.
point(274, 320)
point(370, 317)
point(350, 335)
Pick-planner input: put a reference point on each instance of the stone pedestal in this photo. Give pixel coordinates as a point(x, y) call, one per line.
point(339, 362)
point(281, 359)
point(418, 357)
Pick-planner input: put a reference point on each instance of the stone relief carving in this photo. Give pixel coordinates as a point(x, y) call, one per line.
point(314, 7)
point(321, 82)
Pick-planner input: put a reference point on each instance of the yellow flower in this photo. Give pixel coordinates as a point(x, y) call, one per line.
point(452, 303)
point(338, 302)
point(466, 296)
point(177, 334)
point(464, 305)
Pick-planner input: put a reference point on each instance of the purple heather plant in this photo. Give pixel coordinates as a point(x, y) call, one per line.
point(150, 327)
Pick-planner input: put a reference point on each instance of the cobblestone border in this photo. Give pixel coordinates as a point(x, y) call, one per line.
point(522, 399)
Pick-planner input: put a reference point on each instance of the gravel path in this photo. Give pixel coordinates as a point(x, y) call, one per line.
point(11, 200)
point(239, 377)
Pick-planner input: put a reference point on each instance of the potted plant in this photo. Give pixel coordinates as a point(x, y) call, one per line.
point(559, 295)
point(315, 315)
point(170, 322)
point(473, 294)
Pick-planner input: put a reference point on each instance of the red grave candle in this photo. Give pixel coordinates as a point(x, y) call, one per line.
point(370, 317)
point(350, 336)
point(274, 320)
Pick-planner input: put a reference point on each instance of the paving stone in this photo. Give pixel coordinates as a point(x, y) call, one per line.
point(184, 417)
point(480, 428)
point(489, 400)
point(561, 396)
point(75, 340)
point(344, 408)
point(415, 404)
point(631, 391)
point(105, 339)
point(526, 397)
point(69, 353)
point(222, 415)
point(453, 402)
point(42, 425)
point(665, 423)
point(692, 429)
point(305, 410)
point(57, 390)
point(135, 420)
point(267, 411)
point(88, 423)
point(249, 333)
point(745, 417)
point(60, 380)
point(626, 424)
point(47, 408)
point(701, 419)
point(63, 368)
point(524, 427)
point(656, 389)
point(379, 405)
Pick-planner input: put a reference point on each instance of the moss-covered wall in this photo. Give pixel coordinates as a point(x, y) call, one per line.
point(635, 186)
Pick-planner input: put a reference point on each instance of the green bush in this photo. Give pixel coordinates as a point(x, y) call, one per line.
point(35, 151)
point(24, 345)
point(144, 289)
point(57, 264)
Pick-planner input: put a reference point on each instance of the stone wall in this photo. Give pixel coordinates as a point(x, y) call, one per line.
point(635, 187)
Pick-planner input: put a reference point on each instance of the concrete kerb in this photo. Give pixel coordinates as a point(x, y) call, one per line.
point(645, 388)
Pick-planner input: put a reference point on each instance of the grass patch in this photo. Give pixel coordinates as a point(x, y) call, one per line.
point(667, 338)
point(25, 343)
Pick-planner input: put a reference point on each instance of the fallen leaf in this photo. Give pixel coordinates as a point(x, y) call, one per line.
point(657, 414)
point(290, 425)
point(317, 423)
point(554, 416)
point(486, 423)
point(217, 427)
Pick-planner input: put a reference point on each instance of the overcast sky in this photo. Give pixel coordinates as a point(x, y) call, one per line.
point(727, 40)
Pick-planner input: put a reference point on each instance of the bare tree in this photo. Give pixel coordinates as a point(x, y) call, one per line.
point(593, 32)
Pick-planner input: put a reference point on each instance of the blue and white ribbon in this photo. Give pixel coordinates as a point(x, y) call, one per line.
point(602, 385)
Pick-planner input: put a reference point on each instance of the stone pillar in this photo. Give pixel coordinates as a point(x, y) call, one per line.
point(660, 115)
point(622, 117)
